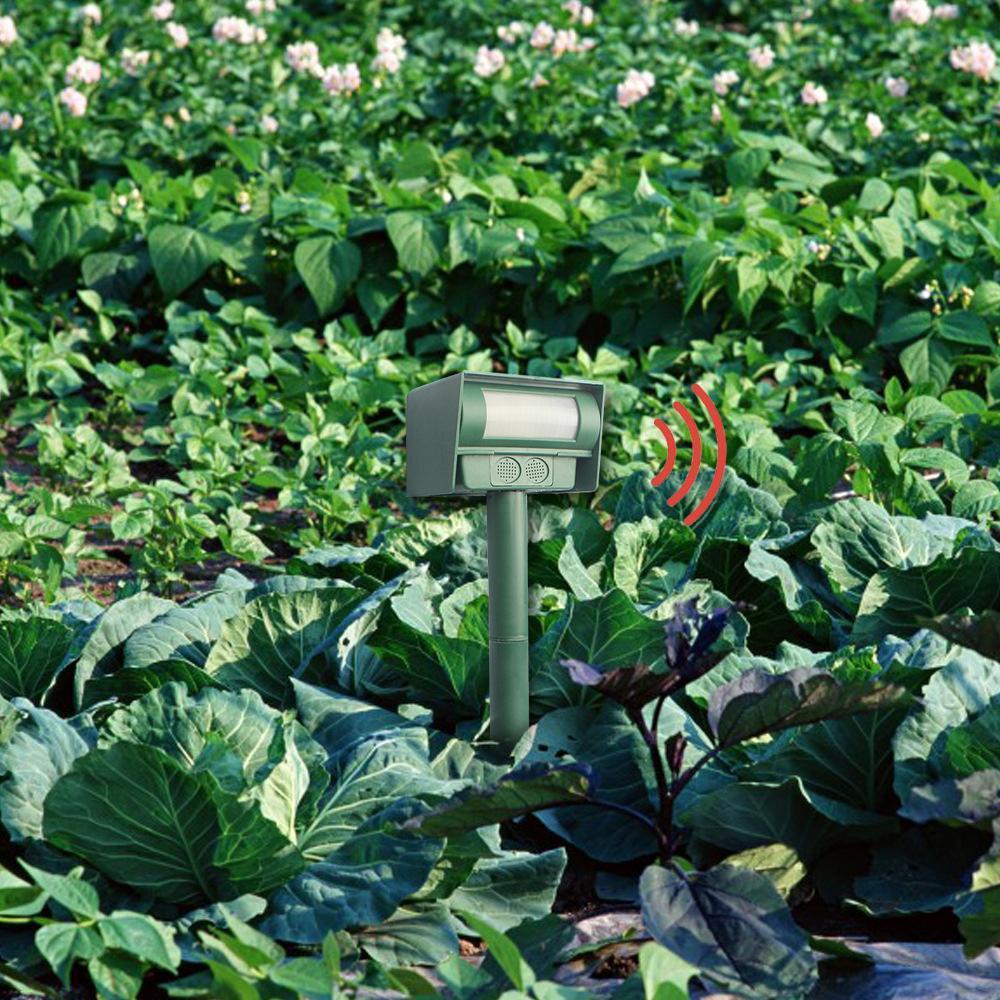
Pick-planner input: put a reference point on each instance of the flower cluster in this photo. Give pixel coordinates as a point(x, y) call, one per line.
point(509, 33)
point(178, 34)
point(579, 12)
point(239, 30)
point(685, 29)
point(636, 85)
point(257, 7)
point(488, 61)
point(339, 80)
point(976, 58)
point(10, 122)
point(813, 93)
point(761, 57)
point(947, 11)
point(303, 57)
point(134, 61)
point(910, 11)
point(162, 11)
point(73, 101)
point(724, 80)
point(8, 30)
point(83, 70)
point(391, 51)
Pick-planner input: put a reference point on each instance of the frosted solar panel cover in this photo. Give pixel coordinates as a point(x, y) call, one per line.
point(526, 415)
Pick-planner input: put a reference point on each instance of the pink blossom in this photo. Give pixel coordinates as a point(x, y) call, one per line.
point(8, 30)
point(636, 85)
point(268, 124)
point(162, 11)
point(303, 57)
point(947, 11)
point(10, 122)
point(814, 94)
point(510, 33)
point(134, 62)
point(74, 102)
point(915, 11)
point(761, 57)
point(897, 86)
point(90, 12)
point(686, 29)
point(543, 35)
point(579, 11)
point(488, 61)
point(723, 81)
point(874, 125)
point(566, 40)
point(239, 30)
point(257, 7)
point(976, 58)
point(339, 80)
point(391, 52)
point(178, 34)
point(83, 70)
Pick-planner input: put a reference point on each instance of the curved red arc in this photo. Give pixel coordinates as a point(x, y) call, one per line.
point(692, 475)
point(720, 461)
point(668, 465)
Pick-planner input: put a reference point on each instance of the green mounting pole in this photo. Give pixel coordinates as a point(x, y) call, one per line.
point(507, 557)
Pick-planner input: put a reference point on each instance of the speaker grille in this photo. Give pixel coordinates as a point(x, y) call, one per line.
point(536, 470)
point(508, 470)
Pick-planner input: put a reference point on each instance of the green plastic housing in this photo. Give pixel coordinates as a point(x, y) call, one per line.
point(456, 442)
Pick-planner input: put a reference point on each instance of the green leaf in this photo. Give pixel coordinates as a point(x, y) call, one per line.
point(359, 884)
point(142, 936)
point(79, 897)
point(329, 268)
point(876, 195)
point(980, 632)
point(665, 976)
point(418, 239)
point(116, 976)
point(758, 702)
point(732, 925)
point(965, 328)
point(529, 788)
point(41, 750)
point(275, 638)
point(927, 360)
point(503, 951)
point(779, 863)
point(180, 256)
point(60, 228)
point(144, 820)
point(32, 653)
point(63, 944)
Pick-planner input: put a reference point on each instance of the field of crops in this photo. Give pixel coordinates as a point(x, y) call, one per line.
point(243, 677)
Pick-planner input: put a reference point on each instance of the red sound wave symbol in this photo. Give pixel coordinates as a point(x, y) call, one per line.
point(689, 480)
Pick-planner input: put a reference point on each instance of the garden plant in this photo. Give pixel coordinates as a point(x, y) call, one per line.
point(244, 724)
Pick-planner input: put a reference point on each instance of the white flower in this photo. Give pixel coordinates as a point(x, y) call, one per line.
point(488, 61)
point(162, 11)
point(268, 124)
point(391, 51)
point(339, 80)
point(722, 81)
point(976, 58)
point(303, 57)
point(239, 30)
point(83, 70)
point(947, 11)
point(636, 85)
point(178, 34)
point(716, 113)
point(685, 29)
point(915, 11)
point(897, 86)
point(10, 122)
point(134, 61)
point(538, 81)
point(814, 94)
point(90, 12)
point(874, 125)
point(543, 35)
point(8, 30)
point(510, 33)
point(761, 57)
point(74, 102)
point(257, 7)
